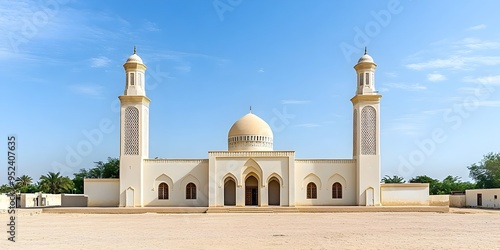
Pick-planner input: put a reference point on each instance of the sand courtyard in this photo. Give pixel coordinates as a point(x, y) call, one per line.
point(458, 229)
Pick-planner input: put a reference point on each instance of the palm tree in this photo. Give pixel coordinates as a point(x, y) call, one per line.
point(23, 181)
point(55, 183)
point(394, 179)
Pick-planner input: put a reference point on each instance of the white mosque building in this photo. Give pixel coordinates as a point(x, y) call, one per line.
point(250, 172)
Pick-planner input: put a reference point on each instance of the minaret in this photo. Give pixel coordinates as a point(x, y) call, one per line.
point(366, 134)
point(134, 132)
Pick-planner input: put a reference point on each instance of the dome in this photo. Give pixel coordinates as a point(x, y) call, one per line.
point(250, 124)
point(250, 133)
point(134, 58)
point(366, 58)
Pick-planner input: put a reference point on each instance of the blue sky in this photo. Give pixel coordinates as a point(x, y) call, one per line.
point(208, 61)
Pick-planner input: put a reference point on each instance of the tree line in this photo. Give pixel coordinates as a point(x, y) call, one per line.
point(54, 183)
point(485, 173)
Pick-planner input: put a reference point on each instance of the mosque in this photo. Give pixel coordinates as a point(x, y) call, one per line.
point(250, 172)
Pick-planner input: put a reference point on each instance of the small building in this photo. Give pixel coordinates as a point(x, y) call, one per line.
point(483, 198)
point(38, 200)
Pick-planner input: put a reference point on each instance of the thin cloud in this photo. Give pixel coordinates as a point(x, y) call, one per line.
point(284, 102)
point(183, 68)
point(150, 26)
point(478, 44)
point(94, 91)
point(261, 70)
point(494, 80)
point(406, 86)
point(492, 104)
point(308, 125)
point(456, 63)
point(435, 77)
point(412, 124)
point(383, 89)
point(477, 27)
point(391, 74)
point(453, 63)
point(99, 62)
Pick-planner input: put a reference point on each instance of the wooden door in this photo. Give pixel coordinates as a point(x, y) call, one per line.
point(248, 196)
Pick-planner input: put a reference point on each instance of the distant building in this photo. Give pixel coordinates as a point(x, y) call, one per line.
point(483, 198)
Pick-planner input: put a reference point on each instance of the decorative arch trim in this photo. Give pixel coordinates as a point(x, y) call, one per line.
point(226, 177)
point(190, 178)
point(251, 166)
point(163, 178)
point(276, 176)
point(311, 177)
point(337, 178)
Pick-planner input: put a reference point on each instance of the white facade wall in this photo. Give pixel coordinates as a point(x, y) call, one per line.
point(176, 173)
point(102, 192)
point(74, 200)
point(439, 200)
point(30, 200)
point(405, 194)
point(490, 198)
point(264, 166)
point(4, 201)
point(39, 200)
point(324, 173)
point(457, 200)
point(50, 199)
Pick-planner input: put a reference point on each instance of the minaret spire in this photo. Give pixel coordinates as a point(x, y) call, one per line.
point(135, 50)
point(250, 109)
point(366, 51)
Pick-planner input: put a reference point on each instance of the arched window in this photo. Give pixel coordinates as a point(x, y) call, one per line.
point(163, 191)
point(191, 191)
point(337, 191)
point(311, 191)
point(132, 79)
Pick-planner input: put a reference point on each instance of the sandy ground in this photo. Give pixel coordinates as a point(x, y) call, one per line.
point(459, 229)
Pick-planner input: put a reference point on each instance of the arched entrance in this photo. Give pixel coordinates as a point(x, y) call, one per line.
point(129, 197)
point(229, 192)
point(273, 192)
point(251, 191)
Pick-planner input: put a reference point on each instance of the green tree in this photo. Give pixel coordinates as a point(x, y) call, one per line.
point(393, 179)
point(31, 188)
point(433, 183)
point(5, 189)
point(109, 169)
point(486, 173)
point(23, 181)
point(54, 183)
point(78, 180)
point(453, 183)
